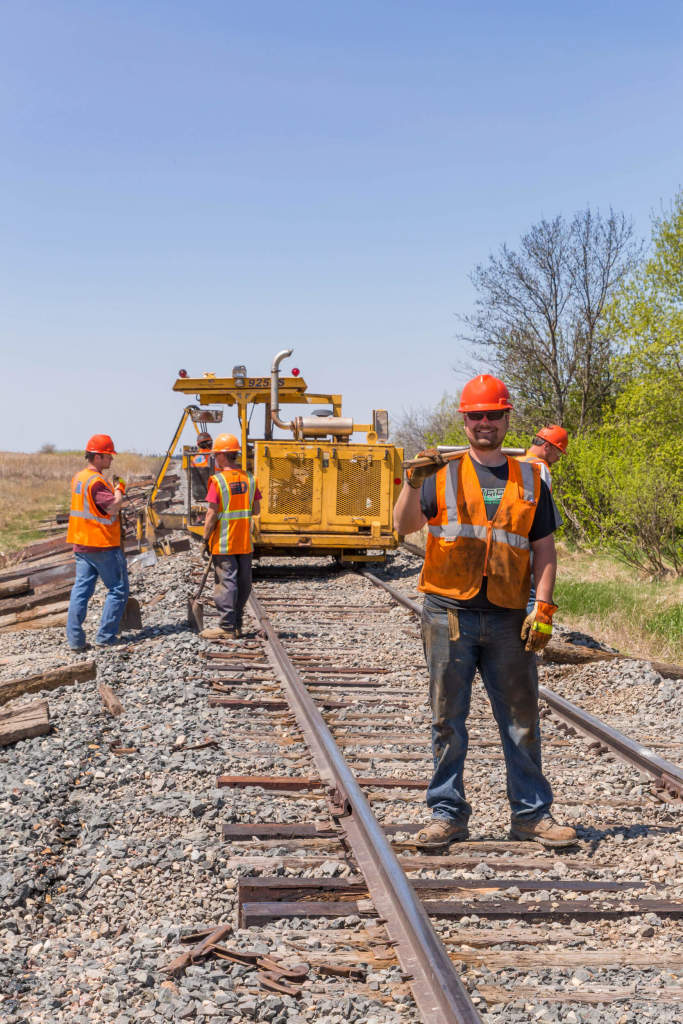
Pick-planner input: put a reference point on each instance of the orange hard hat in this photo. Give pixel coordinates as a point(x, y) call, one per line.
point(226, 443)
point(555, 435)
point(484, 392)
point(100, 444)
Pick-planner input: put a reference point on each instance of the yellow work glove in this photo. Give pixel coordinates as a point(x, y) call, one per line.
point(537, 627)
point(120, 485)
point(416, 475)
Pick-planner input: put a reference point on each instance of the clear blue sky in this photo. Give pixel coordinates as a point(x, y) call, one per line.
point(202, 184)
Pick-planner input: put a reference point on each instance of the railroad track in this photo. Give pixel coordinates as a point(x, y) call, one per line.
point(330, 694)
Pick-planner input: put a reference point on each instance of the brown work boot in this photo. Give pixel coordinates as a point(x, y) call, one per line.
point(545, 831)
point(218, 633)
point(439, 834)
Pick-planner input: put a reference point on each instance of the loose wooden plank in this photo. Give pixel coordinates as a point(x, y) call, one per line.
point(527, 960)
point(574, 654)
point(13, 587)
point(38, 597)
point(65, 675)
point(256, 914)
point(110, 700)
point(494, 995)
point(24, 722)
point(41, 622)
point(17, 618)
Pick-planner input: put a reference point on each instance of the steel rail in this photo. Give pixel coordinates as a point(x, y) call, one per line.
point(440, 996)
point(631, 751)
point(666, 772)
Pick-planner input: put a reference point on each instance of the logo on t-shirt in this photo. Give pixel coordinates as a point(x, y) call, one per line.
point(492, 495)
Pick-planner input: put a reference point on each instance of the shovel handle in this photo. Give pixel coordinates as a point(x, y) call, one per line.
point(426, 461)
point(204, 579)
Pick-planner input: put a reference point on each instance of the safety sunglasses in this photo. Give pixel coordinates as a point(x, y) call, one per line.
point(490, 414)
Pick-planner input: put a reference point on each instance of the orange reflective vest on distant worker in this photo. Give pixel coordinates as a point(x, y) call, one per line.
point(463, 545)
point(542, 465)
point(87, 525)
point(200, 461)
point(236, 489)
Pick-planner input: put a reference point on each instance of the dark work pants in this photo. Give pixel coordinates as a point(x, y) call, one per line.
point(233, 586)
point(490, 642)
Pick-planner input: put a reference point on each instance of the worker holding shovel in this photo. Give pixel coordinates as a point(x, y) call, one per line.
point(234, 499)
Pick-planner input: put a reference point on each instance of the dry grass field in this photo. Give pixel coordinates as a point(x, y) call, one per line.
point(34, 486)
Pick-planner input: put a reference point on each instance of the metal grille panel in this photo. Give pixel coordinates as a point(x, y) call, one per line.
point(291, 487)
point(358, 487)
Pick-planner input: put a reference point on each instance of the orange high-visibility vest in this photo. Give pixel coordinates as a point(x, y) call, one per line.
point(201, 461)
point(538, 461)
point(232, 533)
point(87, 525)
point(463, 546)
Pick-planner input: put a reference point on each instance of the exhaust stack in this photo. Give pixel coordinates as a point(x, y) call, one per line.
point(275, 390)
point(303, 426)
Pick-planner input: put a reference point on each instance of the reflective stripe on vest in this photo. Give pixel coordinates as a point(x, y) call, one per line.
point(107, 520)
point(453, 528)
point(229, 515)
point(536, 460)
point(87, 525)
point(464, 545)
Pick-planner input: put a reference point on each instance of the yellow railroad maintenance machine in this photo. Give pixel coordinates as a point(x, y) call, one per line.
point(322, 492)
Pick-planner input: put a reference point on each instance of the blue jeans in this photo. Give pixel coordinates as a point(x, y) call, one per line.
point(110, 565)
point(490, 642)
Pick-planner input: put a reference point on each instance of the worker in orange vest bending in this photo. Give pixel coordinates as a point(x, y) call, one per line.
point(486, 514)
point(234, 499)
point(95, 532)
point(547, 448)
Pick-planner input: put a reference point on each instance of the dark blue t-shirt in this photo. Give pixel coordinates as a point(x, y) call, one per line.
point(492, 480)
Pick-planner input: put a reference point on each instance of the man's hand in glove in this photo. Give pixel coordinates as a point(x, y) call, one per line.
point(537, 627)
point(416, 475)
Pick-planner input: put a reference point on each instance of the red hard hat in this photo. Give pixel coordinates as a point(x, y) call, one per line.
point(226, 443)
point(555, 435)
point(100, 444)
point(484, 392)
point(204, 440)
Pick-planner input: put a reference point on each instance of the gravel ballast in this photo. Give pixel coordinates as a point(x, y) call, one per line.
point(108, 858)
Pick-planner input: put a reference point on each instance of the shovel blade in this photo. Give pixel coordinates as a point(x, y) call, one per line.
point(195, 614)
point(131, 615)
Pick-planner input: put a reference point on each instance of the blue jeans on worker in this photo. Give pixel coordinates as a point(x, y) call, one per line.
point(456, 644)
point(109, 564)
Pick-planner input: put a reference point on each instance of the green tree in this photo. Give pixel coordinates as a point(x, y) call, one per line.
point(623, 483)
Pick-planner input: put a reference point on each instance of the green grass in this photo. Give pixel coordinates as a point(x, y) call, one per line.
point(611, 602)
point(585, 598)
point(667, 623)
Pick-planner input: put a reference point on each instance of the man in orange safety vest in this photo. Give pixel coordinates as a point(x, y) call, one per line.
point(547, 448)
point(95, 532)
point(486, 514)
point(234, 499)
